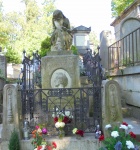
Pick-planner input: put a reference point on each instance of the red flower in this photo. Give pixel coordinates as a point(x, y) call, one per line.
point(101, 138)
point(39, 147)
point(56, 119)
point(124, 123)
point(54, 145)
point(67, 120)
point(80, 132)
point(49, 147)
point(132, 135)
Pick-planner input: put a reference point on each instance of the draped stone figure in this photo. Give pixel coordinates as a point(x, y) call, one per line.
point(61, 38)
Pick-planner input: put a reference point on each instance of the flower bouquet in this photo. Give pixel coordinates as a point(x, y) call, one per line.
point(67, 118)
point(62, 121)
point(39, 142)
point(78, 133)
point(60, 124)
point(121, 138)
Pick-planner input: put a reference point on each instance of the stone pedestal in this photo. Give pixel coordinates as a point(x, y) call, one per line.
point(60, 71)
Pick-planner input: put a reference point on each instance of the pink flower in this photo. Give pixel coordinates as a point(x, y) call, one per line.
point(44, 131)
point(37, 127)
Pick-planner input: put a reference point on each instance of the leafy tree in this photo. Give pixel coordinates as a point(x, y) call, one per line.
point(4, 28)
point(118, 6)
point(13, 56)
point(45, 47)
point(28, 29)
point(94, 40)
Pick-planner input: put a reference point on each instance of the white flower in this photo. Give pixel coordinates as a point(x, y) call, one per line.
point(123, 127)
point(130, 126)
point(35, 149)
point(57, 125)
point(39, 130)
point(74, 130)
point(114, 134)
point(43, 147)
point(53, 115)
point(67, 113)
point(62, 124)
point(71, 116)
point(129, 144)
point(108, 126)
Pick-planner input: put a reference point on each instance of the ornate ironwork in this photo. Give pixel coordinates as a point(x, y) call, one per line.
point(82, 104)
point(125, 52)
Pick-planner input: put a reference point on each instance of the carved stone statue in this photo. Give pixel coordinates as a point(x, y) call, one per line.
point(61, 38)
point(61, 80)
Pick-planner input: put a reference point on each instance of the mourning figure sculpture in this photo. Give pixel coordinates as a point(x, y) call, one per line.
point(61, 38)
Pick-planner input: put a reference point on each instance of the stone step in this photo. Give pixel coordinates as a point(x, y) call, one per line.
point(135, 123)
point(126, 112)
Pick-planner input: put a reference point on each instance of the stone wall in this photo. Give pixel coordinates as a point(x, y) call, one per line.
point(67, 143)
point(13, 70)
point(128, 21)
point(129, 79)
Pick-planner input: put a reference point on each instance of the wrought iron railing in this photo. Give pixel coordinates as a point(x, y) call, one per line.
point(125, 52)
point(82, 104)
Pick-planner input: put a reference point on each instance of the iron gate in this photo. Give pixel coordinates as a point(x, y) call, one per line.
point(81, 105)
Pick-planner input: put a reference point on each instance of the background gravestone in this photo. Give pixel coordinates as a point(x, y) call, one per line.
point(111, 104)
point(12, 112)
point(3, 76)
point(105, 41)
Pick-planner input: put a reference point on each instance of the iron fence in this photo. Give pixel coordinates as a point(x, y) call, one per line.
point(125, 52)
point(81, 105)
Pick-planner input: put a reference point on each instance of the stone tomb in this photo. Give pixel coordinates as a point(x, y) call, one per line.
point(60, 71)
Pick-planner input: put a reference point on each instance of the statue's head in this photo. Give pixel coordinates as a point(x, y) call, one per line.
point(58, 19)
point(57, 15)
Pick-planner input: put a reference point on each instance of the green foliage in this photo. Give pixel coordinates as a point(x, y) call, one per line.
point(119, 136)
point(26, 30)
point(45, 47)
point(118, 6)
point(4, 28)
point(14, 143)
point(37, 140)
point(12, 56)
point(94, 40)
point(74, 49)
